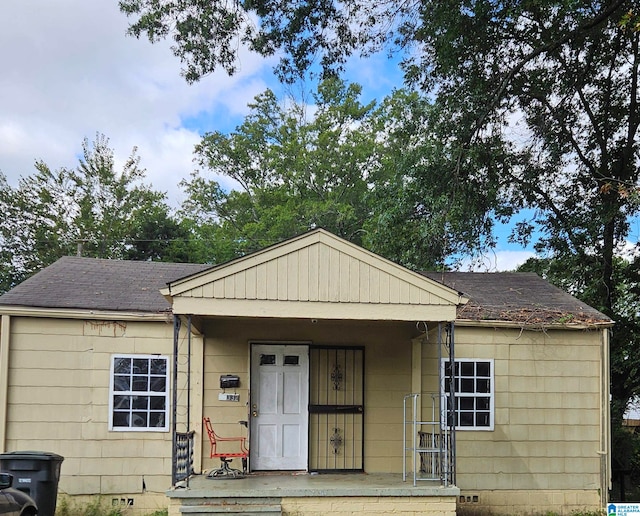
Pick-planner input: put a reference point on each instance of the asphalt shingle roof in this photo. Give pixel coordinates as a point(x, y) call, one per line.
point(134, 286)
point(522, 297)
point(96, 284)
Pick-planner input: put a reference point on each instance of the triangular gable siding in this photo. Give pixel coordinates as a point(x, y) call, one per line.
point(315, 273)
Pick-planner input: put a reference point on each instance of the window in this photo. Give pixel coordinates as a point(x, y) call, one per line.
point(139, 393)
point(473, 384)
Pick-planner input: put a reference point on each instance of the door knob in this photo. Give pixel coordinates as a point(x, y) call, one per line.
point(254, 413)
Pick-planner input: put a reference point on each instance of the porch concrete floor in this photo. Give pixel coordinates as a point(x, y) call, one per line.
point(284, 485)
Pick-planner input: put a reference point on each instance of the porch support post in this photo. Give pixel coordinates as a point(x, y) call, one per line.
point(452, 416)
point(5, 332)
point(188, 422)
point(174, 400)
point(188, 374)
point(196, 409)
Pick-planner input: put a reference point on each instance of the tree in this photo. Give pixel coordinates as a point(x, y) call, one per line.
point(558, 83)
point(539, 97)
point(430, 208)
point(293, 174)
point(91, 210)
point(568, 70)
point(570, 73)
point(373, 175)
point(157, 235)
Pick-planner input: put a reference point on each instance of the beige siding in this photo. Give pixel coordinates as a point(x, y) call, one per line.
point(547, 401)
point(317, 274)
point(388, 354)
point(314, 276)
point(538, 501)
point(59, 397)
point(547, 414)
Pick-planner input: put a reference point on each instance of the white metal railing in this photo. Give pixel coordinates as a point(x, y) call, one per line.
point(426, 443)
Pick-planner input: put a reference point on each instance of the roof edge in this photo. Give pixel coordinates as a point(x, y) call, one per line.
point(62, 313)
point(496, 323)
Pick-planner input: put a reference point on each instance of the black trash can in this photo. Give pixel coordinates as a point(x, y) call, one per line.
point(37, 474)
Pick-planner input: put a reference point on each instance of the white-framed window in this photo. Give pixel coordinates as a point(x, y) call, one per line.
point(474, 392)
point(139, 393)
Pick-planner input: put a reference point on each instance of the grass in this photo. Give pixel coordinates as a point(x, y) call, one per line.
point(97, 507)
point(486, 512)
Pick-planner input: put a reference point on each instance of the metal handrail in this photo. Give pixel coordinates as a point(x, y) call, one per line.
point(430, 450)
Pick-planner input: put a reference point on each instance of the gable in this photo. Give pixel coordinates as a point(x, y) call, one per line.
point(316, 275)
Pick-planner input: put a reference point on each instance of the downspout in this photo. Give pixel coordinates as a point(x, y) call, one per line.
point(605, 421)
point(5, 330)
point(443, 416)
point(189, 395)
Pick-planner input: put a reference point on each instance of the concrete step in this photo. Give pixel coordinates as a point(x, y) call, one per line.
point(246, 509)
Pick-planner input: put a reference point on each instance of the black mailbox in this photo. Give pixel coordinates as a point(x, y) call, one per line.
point(229, 381)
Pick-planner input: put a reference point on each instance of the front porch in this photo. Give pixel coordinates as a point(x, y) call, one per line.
point(324, 341)
point(312, 495)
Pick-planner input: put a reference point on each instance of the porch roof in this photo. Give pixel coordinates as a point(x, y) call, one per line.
point(315, 275)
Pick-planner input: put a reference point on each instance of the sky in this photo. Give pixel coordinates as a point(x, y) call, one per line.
point(69, 72)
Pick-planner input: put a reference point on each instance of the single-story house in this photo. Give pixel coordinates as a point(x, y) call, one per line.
point(363, 386)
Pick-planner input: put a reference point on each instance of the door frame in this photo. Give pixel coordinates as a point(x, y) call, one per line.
point(307, 344)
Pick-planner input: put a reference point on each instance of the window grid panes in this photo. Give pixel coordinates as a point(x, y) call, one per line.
point(473, 385)
point(139, 393)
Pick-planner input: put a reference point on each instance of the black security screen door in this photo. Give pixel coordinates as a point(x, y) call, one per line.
point(336, 409)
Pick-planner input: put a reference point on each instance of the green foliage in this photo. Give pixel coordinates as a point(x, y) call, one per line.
point(293, 174)
point(377, 176)
point(626, 464)
point(192, 27)
point(92, 210)
point(428, 206)
point(208, 35)
point(552, 86)
point(97, 507)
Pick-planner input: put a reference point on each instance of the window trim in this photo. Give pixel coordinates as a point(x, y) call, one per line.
point(474, 395)
point(113, 393)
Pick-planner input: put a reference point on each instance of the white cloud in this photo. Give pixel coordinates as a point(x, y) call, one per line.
point(69, 71)
point(497, 261)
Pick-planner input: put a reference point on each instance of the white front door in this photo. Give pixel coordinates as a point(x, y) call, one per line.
point(279, 406)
